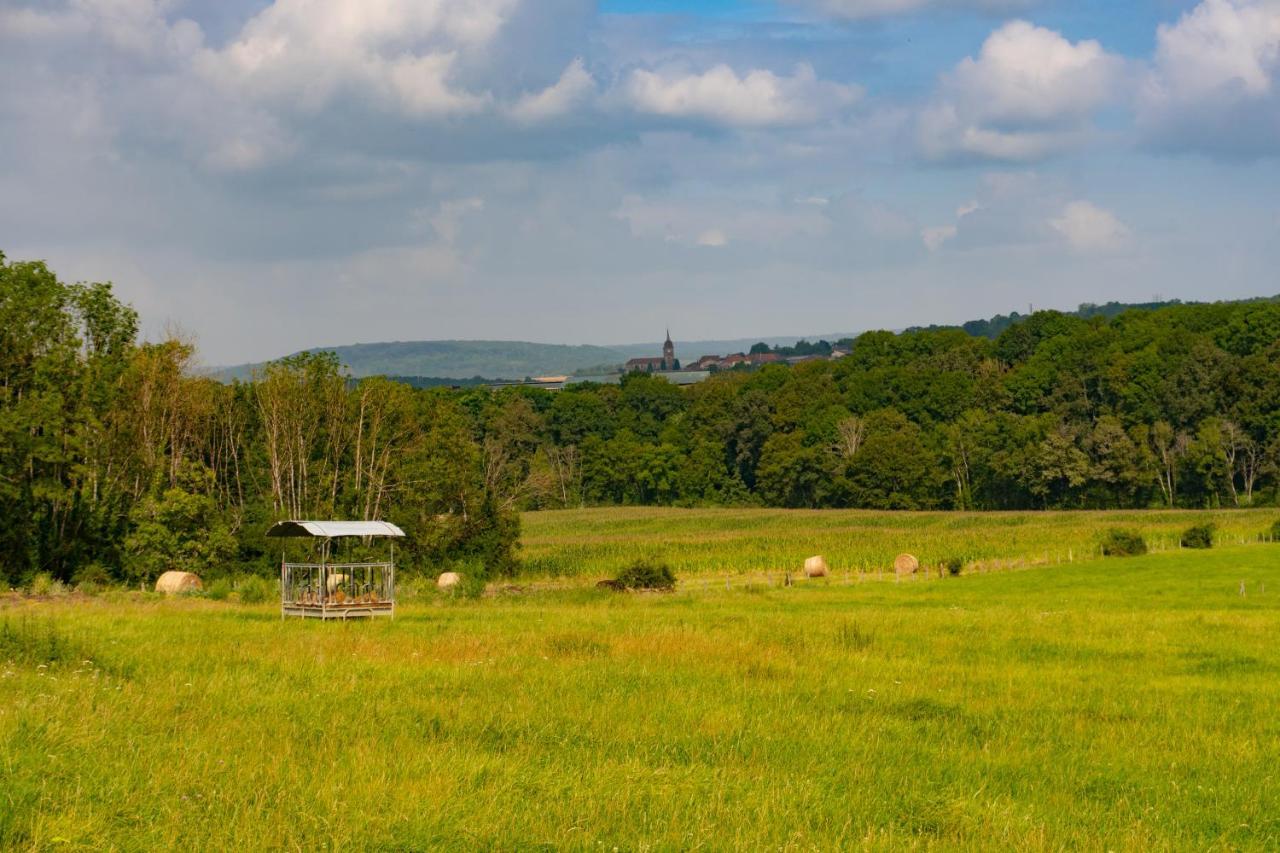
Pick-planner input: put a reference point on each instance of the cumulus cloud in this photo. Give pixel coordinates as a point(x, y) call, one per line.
point(1089, 228)
point(402, 52)
point(860, 9)
point(1212, 86)
point(139, 28)
point(760, 98)
point(574, 86)
point(1029, 93)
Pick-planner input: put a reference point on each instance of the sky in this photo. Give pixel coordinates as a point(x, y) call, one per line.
point(274, 176)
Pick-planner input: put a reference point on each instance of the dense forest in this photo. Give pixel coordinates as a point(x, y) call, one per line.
point(118, 460)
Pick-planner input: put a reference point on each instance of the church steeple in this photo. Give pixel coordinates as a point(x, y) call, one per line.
point(668, 353)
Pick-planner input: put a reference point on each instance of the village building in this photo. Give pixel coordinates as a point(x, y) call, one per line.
point(707, 362)
point(644, 365)
point(666, 363)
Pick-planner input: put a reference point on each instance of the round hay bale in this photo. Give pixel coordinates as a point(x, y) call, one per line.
point(335, 581)
point(816, 567)
point(906, 564)
point(449, 580)
point(172, 583)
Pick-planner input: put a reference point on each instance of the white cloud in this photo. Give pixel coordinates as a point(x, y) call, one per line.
point(759, 98)
point(1219, 43)
point(1212, 86)
point(1089, 228)
point(1029, 93)
point(404, 52)
point(136, 27)
point(859, 9)
point(574, 86)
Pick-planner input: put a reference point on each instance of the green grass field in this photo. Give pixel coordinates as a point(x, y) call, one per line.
point(1113, 704)
point(596, 542)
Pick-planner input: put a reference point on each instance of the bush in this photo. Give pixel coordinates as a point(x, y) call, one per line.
point(92, 578)
point(645, 574)
point(954, 566)
point(44, 584)
point(1274, 534)
point(254, 591)
point(219, 590)
point(1199, 536)
point(1123, 543)
point(474, 580)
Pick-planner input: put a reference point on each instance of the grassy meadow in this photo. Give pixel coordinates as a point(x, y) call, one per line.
point(1120, 704)
point(768, 542)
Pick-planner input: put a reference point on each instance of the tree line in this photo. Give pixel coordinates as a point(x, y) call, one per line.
point(119, 460)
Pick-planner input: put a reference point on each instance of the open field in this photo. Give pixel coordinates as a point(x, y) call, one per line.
point(1114, 704)
point(598, 542)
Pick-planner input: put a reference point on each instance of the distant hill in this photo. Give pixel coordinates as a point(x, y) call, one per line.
point(459, 359)
point(428, 363)
point(425, 361)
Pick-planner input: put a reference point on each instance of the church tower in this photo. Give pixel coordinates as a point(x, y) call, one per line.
point(668, 353)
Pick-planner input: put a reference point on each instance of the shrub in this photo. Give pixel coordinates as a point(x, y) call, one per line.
point(954, 566)
point(1199, 536)
point(44, 584)
point(1123, 543)
point(473, 583)
point(91, 578)
point(254, 591)
point(646, 574)
point(219, 590)
point(1274, 533)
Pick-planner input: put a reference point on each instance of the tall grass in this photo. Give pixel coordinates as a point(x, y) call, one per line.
point(1107, 705)
point(601, 542)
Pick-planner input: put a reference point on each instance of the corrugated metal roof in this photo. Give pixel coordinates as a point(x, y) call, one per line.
point(334, 529)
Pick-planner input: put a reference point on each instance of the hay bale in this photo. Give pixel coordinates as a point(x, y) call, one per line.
point(906, 564)
point(172, 583)
point(449, 580)
point(335, 581)
point(816, 567)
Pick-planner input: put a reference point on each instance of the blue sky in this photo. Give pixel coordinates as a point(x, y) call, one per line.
point(269, 175)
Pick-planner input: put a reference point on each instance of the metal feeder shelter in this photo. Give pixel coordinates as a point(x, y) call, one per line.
point(327, 590)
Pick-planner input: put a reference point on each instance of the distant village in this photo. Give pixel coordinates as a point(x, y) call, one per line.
point(760, 355)
point(670, 367)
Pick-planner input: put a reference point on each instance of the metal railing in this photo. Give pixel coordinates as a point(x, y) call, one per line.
point(338, 585)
